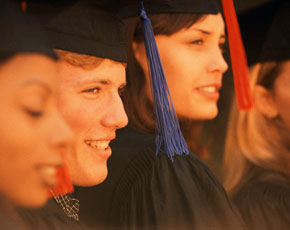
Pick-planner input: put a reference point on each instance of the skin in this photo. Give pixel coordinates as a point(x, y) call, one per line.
point(281, 95)
point(193, 64)
point(276, 102)
point(89, 101)
point(32, 132)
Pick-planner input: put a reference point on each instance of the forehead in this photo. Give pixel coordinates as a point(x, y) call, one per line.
point(108, 70)
point(28, 68)
point(212, 23)
point(285, 71)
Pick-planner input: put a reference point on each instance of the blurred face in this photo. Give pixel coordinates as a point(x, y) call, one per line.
point(31, 130)
point(90, 102)
point(281, 94)
point(193, 64)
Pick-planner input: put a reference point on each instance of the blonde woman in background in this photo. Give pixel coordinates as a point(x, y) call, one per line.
point(257, 158)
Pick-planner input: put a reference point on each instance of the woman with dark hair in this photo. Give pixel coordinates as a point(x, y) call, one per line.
point(257, 159)
point(145, 190)
point(32, 132)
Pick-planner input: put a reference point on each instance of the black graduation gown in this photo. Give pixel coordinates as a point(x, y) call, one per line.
point(145, 191)
point(264, 200)
point(8, 223)
point(49, 217)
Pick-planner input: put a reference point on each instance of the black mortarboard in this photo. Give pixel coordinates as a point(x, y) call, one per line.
point(129, 8)
point(85, 28)
point(277, 43)
point(20, 33)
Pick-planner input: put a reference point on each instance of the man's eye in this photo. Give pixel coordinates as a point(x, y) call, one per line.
point(95, 90)
point(197, 42)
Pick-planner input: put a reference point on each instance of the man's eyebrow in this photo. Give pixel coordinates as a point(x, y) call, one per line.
point(99, 81)
point(95, 81)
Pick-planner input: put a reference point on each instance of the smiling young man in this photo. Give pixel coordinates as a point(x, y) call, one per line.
point(90, 43)
point(89, 100)
point(92, 49)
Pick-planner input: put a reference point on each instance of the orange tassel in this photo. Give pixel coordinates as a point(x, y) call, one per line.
point(23, 5)
point(238, 58)
point(64, 182)
point(64, 185)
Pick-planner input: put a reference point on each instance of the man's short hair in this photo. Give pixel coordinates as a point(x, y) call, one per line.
point(84, 61)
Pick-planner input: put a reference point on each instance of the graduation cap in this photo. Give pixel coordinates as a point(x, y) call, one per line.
point(277, 44)
point(20, 33)
point(86, 28)
point(168, 135)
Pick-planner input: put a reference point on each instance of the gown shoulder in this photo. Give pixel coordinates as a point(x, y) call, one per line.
point(264, 201)
point(157, 193)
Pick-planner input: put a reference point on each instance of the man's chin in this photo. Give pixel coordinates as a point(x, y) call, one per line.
point(91, 180)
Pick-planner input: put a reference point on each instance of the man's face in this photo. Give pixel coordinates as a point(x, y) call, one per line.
point(90, 102)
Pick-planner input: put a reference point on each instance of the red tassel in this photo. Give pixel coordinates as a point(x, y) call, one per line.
point(64, 185)
point(23, 5)
point(64, 182)
point(238, 58)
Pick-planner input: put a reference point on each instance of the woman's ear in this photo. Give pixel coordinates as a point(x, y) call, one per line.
point(264, 102)
point(139, 51)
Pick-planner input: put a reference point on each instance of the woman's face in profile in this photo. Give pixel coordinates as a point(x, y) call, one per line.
point(281, 94)
point(193, 63)
point(31, 130)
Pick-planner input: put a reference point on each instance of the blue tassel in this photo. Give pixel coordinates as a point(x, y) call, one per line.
point(169, 138)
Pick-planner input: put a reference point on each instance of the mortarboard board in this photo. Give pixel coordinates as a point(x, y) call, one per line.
point(130, 8)
point(85, 28)
point(277, 44)
point(20, 33)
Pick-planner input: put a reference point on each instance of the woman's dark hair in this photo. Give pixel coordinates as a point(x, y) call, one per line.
point(136, 101)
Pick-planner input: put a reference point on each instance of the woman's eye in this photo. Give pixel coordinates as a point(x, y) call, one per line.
point(121, 91)
point(34, 113)
point(95, 90)
point(197, 42)
point(222, 47)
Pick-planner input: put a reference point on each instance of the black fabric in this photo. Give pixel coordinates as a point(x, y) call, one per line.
point(145, 191)
point(7, 223)
point(129, 8)
point(20, 33)
point(46, 10)
point(254, 26)
point(277, 44)
point(85, 29)
point(49, 217)
point(264, 200)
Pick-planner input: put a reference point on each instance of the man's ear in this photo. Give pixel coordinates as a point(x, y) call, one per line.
point(264, 102)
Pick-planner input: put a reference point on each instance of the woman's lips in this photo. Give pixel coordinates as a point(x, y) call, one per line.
point(210, 91)
point(48, 175)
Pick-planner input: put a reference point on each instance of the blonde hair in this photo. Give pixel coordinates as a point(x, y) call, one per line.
point(254, 139)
